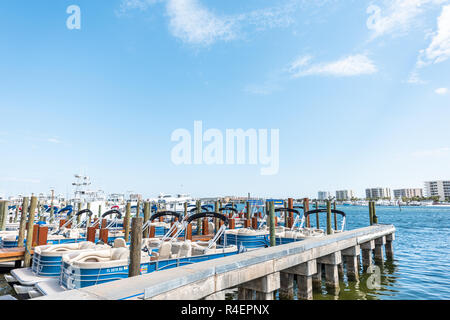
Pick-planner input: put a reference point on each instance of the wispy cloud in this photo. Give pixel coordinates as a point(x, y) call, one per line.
point(22, 180)
point(439, 48)
point(352, 65)
point(194, 23)
point(54, 140)
point(397, 16)
point(441, 91)
point(432, 152)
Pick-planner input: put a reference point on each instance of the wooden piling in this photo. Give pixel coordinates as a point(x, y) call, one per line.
point(79, 209)
point(216, 220)
point(127, 221)
point(42, 235)
point(371, 212)
point(335, 216)
point(146, 218)
point(317, 215)
point(90, 235)
point(205, 229)
point(374, 213)
point(188, 232)
point(3, 214)
point(306, 208)
point(103, 235)
point(27, 256)
point(329, 230)
point(254, 223)
point(231, 224)
point(23, 222)
point(249, 210)
point(199, 221)
point(291, 214)
point(34, 240)
point(388, 247)
point(135, 247)
point(272, 224)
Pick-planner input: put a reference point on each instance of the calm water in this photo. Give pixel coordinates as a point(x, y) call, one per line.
point(421, 266)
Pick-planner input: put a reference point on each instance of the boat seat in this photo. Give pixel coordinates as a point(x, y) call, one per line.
point(120, 243)
point(164, 251)
point(175, 250)
point(119, 253)
point(186, 249)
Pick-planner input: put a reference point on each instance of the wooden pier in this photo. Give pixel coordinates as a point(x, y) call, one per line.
point(257, 274)
point(12, 254)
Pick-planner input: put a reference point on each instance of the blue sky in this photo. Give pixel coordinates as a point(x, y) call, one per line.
point(358, 89)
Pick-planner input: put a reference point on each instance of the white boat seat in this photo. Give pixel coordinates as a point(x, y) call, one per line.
point(164, 251)
point(119, 253)
point(119, 243)
point(186, 249)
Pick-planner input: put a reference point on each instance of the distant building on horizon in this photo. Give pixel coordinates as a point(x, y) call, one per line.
point(344, 195)
point(408, 193)
point(439, 188)
point(323, 195)
point(378, 193)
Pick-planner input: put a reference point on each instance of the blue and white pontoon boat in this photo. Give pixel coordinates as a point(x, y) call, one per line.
point(91, 268)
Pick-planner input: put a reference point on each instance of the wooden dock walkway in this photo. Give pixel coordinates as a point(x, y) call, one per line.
point(260, 272)
point(12, 254)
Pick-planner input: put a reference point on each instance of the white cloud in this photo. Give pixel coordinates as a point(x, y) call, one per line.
point(432, 153)
point(397, 16)
point(15, 179)
point(53, 140)
point(349, 66)
point(193, 23)
point(439, 48)
point(441, 91)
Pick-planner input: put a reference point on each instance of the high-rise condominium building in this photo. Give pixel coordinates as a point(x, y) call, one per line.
point(378, 193)
point(344, 194)
point(408, 193)
point(440, 188)
point(323, 195)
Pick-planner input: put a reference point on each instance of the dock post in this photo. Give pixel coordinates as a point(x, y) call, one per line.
point(134, 268)
point(103, 235)
point(199, 221)
point(329, 230)
point(90, 236)
point(331, 263)
point(379, 244)
point(366, 249)
point(255, 223)
point(3, 214)
point(216, 220)
point(272, 223)
point(188, 232)
point(335, 216)
point(388, 247)
point(290, 214)
point(27, 256)
point(42, 236)
point(351, 260)
point(34, 241)
point(317, 215)
point(231, 224)
point(305, 209)
point(145, 234)
point(16, 215)
point(205, 227)
point(374, 213)
point(371, 212)
point(79, 209)
point(127, 221)
point(249, 210)
point(286, 286)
